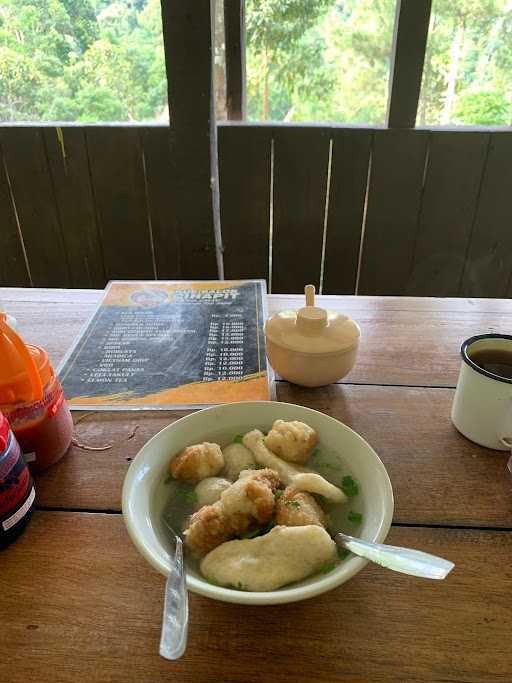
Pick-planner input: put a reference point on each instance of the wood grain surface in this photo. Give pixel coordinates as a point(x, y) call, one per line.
point(37, 212)
point(78, 603)
point(347, 194)
point(394, 201)
point(405, 341)
point(75, 612)
point(300, 191)
point(435, 472)
point(68, 163)
point(245, 178)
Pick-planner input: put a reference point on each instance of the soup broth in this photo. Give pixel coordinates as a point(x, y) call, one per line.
point(178, 499)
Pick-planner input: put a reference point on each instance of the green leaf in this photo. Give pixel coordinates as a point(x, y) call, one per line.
point(349, 486)
point(238, 439)
point(188, 495)
point(343, 553)
point(328, 568)
point(293, 504)
point(355, 517)
point(278, 494)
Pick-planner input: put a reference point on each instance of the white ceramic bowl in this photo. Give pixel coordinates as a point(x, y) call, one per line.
point(144, 496)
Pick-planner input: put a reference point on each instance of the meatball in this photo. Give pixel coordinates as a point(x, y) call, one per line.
point(197, 462)
point(251, 499)
point(301, 478)
point(284, 555)
point(292, 441)
point(298, 508)
point(208, 490)
point(207, 528)
point(236, 459)
point(247, 502)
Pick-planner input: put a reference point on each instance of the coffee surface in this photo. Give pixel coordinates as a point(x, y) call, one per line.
point(497, 361)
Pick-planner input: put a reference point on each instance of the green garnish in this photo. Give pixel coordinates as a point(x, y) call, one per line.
point(238, 438)
point(251, 534)
point(260, 531)
point(293, 504)
point(328, 568)
point(257, 466)
point(355, 516)
point(189, 496)
point(343, 553)
point(349, 486)
point(278, 494)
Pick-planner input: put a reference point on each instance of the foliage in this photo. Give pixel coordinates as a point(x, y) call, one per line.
point(93, 60)
point(81, 60)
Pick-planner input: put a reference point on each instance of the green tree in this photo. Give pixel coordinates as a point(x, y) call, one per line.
point(282, 49)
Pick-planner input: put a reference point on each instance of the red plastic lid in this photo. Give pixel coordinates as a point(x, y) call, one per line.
point(4, 433)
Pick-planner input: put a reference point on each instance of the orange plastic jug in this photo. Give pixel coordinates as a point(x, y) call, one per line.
point(32, 399)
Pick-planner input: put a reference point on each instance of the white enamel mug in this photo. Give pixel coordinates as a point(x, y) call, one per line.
point(482, 405)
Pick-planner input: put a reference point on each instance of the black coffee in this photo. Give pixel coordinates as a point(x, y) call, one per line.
point(497, 361)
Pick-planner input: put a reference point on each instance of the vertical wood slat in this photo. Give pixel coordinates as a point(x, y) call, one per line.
point(13, 269)
point(394, 200)
point(488, 265)
point(244, 172)
point(119, 193)
point(407, 58)
point(27, 165)
point(234, 27)
point(156, 148)
point(450, 197)
point(193, 177)
point(347, 192)
point(69, 168)
point(300, 181)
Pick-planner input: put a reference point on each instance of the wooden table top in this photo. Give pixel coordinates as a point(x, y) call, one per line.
point(77, 602)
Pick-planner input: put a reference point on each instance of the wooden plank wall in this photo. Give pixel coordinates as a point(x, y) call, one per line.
point(386, 211)
point(411, 211)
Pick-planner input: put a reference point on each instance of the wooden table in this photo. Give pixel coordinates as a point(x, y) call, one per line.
point(77, 602)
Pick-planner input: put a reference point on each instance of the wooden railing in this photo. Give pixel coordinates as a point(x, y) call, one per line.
point(395, 210)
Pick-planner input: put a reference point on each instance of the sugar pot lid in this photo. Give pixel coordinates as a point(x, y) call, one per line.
point(312, 329)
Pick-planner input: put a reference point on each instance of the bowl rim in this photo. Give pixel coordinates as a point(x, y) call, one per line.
point(342, 573)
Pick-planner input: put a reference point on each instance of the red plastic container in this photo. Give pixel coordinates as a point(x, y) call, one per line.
point(17, 493)
point(32, 399)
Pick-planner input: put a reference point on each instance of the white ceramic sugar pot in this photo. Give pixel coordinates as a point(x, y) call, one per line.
point(313, 346)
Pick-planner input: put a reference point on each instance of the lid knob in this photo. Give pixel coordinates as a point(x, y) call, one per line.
point(311, 319)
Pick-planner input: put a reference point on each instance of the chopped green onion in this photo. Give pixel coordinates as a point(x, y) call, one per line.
point(293, 504)
point(239, 438)
point(278, 494)
point(189, 496)
point(251, 534)
point(355, 516)
point(260, 531)
point(350, 486)
point(328, 568)
point(257, 466)
point(343, 553)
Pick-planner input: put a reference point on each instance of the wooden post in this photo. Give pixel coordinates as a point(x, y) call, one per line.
point(408, 54)
point(234, 27)
point(193, 180)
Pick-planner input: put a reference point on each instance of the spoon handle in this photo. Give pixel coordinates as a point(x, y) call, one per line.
point(413, 562)
point(173, 641)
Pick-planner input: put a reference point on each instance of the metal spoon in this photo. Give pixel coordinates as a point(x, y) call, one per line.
point(173, 640)
point(413, 562)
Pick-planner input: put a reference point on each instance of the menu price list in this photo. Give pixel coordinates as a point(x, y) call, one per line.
point(224, 358)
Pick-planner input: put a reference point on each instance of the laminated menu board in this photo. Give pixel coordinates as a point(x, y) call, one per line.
point(170, 344)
